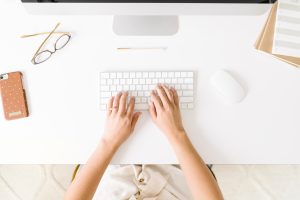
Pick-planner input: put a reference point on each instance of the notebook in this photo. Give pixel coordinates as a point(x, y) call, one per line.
point(287, 28)
point(265, 40)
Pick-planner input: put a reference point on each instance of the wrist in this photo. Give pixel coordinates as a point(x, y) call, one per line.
point(109, 144)
point(177, 136)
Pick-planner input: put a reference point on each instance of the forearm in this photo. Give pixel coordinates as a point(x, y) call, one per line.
point(199, 179)
point(85, 184)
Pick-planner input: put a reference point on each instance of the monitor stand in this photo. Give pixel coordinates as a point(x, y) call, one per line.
point(140, 25)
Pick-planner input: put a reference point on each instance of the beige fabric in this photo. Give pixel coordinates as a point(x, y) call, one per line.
point(143, 182)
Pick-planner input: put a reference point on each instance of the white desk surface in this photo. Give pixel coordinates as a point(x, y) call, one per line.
point(65, 123)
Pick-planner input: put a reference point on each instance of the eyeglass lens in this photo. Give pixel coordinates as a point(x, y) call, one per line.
point(42, 56)
point(62, 41)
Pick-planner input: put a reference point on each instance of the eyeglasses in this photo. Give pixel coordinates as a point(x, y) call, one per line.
point(42, 56)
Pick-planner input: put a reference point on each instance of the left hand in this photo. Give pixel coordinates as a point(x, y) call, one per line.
point(121, 119)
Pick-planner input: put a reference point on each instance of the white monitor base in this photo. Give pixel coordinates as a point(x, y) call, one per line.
point(140, 25)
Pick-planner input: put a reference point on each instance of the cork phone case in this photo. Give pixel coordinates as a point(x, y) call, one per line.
point(13, 96)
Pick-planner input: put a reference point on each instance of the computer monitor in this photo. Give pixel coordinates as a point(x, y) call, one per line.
point(147, 17)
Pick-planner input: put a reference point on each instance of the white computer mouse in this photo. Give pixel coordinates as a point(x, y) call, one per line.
point(228, 87)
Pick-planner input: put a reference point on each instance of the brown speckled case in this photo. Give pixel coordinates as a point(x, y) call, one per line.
point(13, 96)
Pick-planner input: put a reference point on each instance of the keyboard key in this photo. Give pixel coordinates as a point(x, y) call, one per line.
point(120, 88)
point(151, 87)
point(190, 74)
point(171, 74)
point(145, 75)
point(188, 93)
point(167, 80)
point(188, 80)
point(144, 100)
point(158, 74)
point(148, 81)
point(116, 81)
point(129, 81)
point(190, 87)
point(109, 81)
point(183, 74)
point(126, 75)
point(137, 100)
point(145, 87)
point(135, 81)
point(151, 74)
point(142, 81)
point(184, 87)
point(103, 82)
point(103, 107)
point(138, 75)
point(186, 99)
point(123, 81)
point(134, 93)
point(147, 94)
point(119, 75)
point(132, 75)
point(164, 74)
point(105, 94)
point(104, 88)
point(104, 100)
point(105, 75)
point(190, 106)
point(113, 88)
point(132, 87)
point(184, 105)
point(177, 74)
point(141, 106)
point(113, 75)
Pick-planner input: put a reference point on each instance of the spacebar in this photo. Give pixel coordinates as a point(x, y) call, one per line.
point(141, 106)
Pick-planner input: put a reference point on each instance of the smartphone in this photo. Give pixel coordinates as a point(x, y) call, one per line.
point(13, 96)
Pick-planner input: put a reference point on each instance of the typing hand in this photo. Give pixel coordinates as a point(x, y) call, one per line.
point(121, 119)
point(165, 112)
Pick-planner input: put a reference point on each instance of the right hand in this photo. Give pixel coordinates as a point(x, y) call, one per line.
point(165, 112)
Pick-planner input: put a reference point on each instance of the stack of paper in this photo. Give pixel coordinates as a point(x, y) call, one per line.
point(277, 41)
point(287, 28)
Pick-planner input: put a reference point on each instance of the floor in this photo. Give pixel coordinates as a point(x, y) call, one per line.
point(238, 182)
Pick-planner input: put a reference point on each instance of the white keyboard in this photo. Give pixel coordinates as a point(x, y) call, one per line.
point(140, 84)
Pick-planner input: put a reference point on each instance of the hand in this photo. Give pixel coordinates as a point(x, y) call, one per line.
point(120, 120)
point(165, 112)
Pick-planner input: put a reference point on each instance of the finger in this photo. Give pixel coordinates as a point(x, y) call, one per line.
point(122, 105)
point(169, 93)
point(175, 94)
point(130, 108)
point(152, 110)
point(110, 105)
point(162, 94)
point(115, 107)
point(156, 100)
point(135, 118)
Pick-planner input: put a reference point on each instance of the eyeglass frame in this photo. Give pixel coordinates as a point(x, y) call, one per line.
point(38, 52)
